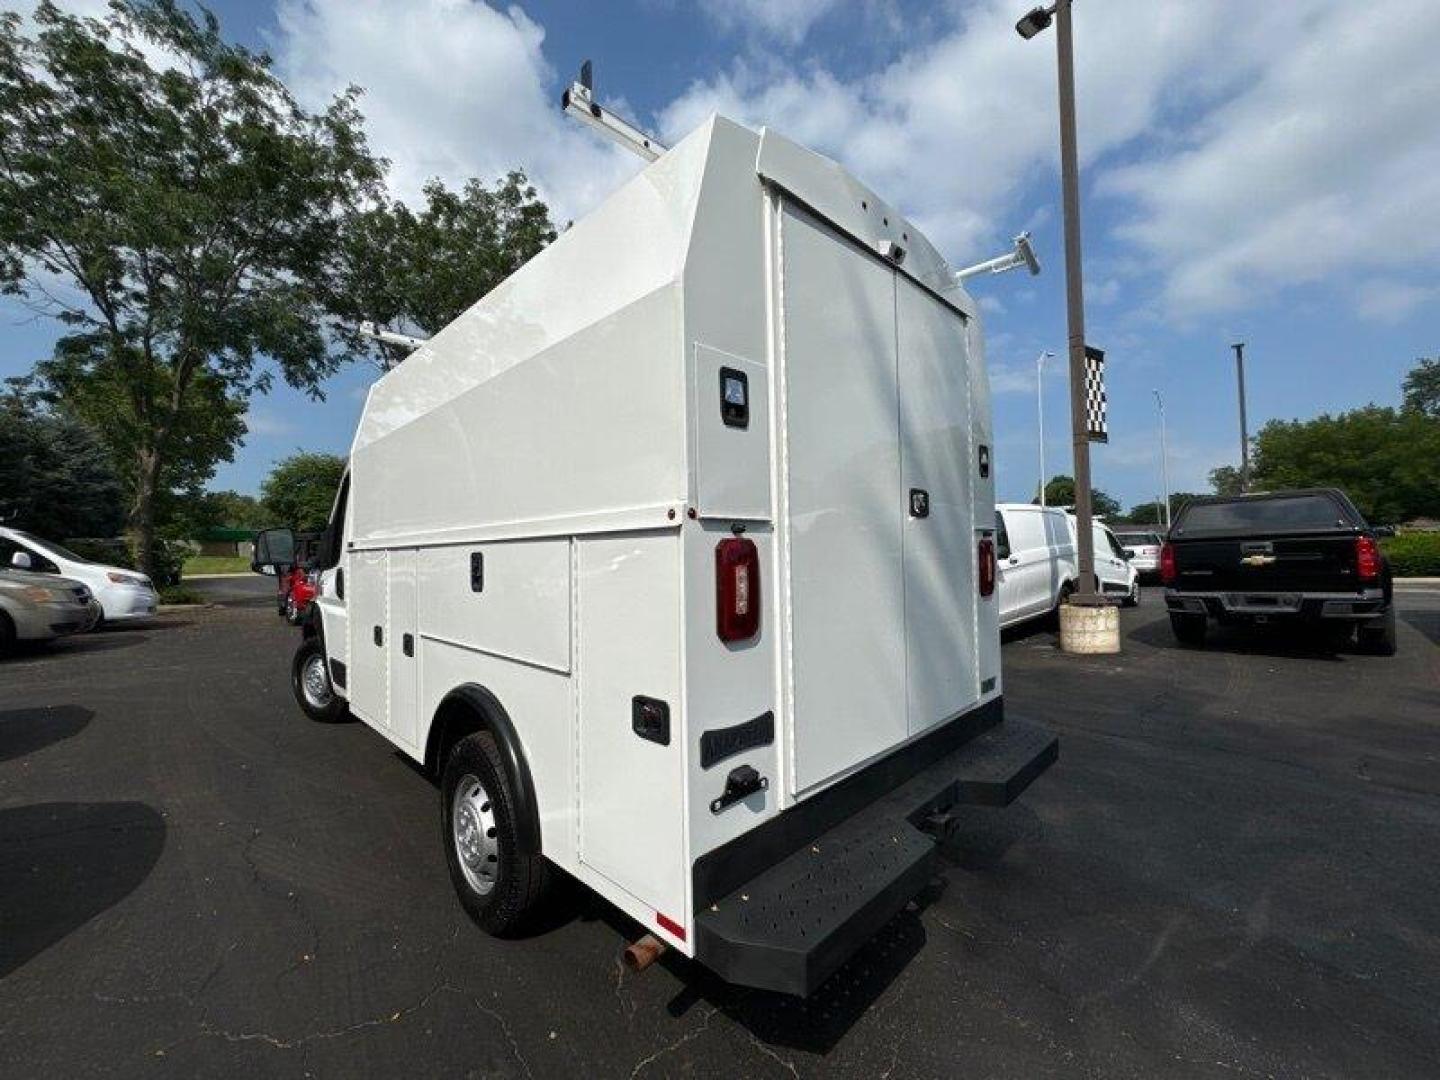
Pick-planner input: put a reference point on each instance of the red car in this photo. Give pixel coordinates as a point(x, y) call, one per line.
point(298, 587)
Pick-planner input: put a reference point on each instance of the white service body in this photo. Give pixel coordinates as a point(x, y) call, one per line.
point(567, 430)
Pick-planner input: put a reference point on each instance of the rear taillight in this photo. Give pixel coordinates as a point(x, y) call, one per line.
point(737, 589)
point(985, 565)
point(1168, 573)
point(1367, 558)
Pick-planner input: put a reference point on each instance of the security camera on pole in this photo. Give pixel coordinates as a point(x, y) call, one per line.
point(1087, 623)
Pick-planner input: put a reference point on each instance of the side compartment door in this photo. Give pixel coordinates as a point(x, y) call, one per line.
point(366, 595)
point(939, 534)
point(402, 648)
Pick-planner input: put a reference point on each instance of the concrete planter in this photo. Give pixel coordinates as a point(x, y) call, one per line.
point(1089, 631)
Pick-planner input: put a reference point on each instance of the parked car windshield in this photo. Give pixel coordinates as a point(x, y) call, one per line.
point(50, 546)
point(1313, 511)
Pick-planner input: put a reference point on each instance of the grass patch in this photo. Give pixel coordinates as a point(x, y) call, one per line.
point(1415, 554)
point(215, 564)
point(180, 594)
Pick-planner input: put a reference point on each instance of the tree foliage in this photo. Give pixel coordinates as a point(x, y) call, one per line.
point(301, 489)
point(417, 271)
point(1422, 388)
point(1386, 460)
point(56, 478)
point(1225, 480)
point(182, 216)
point(1060, 491)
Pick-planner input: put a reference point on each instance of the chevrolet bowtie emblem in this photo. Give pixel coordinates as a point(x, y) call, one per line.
point(1257, 560)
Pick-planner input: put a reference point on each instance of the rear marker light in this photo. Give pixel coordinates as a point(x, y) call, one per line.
point(669, 924)
point(1367, 558)
point(985, 562)
point(1168, 573)
point(737, 589)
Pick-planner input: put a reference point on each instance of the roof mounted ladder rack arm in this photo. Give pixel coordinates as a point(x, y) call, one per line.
point(579, 101)
point(1023, 255)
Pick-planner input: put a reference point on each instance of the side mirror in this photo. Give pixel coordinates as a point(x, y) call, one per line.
point(1383, 530)
point(1127, 555)
point(274, 548)
point(21, 561)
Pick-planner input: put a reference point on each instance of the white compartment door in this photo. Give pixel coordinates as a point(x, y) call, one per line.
point(936, 460)
point(367, 594)
point(402, 647)
point(845, 502)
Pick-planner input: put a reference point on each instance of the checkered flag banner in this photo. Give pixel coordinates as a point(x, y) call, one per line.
point(1095, 422)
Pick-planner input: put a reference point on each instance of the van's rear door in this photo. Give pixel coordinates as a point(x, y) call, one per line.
point(937, 468)
point(879, 508)
point(844, 502)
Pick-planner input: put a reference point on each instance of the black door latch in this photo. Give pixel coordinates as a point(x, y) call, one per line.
point(742, 782)
point(919, 503)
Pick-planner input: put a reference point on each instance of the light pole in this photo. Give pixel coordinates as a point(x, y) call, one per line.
point(1239, 348)
point(1034, 21)
point(1164, 457)
point(1040, 413)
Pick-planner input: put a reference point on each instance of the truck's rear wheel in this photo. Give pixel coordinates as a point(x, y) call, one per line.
point(498, 885)
point(310, 682)
point(1378, 637)
point(1189, 629)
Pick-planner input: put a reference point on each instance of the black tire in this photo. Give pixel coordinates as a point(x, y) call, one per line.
point(1132, 598)
point(1378, 637)
point(516, 882)
point(1188, 629)
point(7, 635)
point(327, 707)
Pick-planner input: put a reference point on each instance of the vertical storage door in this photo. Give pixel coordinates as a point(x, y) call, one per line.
point(846, 587)
point(936, 459)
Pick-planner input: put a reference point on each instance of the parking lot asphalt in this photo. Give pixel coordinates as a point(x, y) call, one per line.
point(1231, 870)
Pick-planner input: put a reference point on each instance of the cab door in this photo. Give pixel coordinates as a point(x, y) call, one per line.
point(331, 602)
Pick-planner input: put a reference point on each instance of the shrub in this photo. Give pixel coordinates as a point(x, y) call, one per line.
point(180, 594)
point(1414, 554)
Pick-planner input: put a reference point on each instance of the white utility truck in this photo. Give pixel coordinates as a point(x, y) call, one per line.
point(672, 559)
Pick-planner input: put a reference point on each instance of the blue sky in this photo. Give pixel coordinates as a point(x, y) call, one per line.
point(1266, 173)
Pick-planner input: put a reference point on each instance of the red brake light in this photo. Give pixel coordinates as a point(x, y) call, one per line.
point(1367, 558)
point(737, 589)
point(1168, 573)
point(985, 563)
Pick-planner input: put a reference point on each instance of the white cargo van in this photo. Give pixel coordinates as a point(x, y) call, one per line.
point(1038, 564)
point(672, 559)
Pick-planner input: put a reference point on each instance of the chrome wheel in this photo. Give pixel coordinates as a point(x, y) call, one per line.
point(315, 683)
point(473, 831)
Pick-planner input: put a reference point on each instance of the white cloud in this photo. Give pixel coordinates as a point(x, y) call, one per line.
point(264, 422)
point(1387, 301)
point(454, 89)
point(789, 20)
point(1328, 161)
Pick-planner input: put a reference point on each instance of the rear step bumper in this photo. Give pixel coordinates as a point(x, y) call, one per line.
point(791, 925)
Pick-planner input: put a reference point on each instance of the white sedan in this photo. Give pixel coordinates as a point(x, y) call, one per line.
point(122, 594)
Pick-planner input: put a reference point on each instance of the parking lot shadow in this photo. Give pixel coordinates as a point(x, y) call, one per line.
point(23, 731)
point(62, 863)
point(1298, 642)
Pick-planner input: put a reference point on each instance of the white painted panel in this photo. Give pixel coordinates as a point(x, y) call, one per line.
point(732, 464)
point(522, 612)
point(631, 789)
point(845, 502)
point(366, 595)
point(941, 669)
point(404, 670)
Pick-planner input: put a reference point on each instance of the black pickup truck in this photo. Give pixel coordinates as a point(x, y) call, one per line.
point(1282, 556)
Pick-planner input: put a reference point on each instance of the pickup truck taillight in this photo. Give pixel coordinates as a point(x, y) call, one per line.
point(1367, 558)
point(1168, 573)
point(985, 564)
point(737, 588)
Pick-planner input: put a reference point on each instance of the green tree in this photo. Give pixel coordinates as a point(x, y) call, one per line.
point(1060, 491)
point(301, 489)
point(1225, 480)
point(1422, 388)
point(185, 221)
point(56, 478)
point(1386, 460)
point(417, 271)
point(1149, 513)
